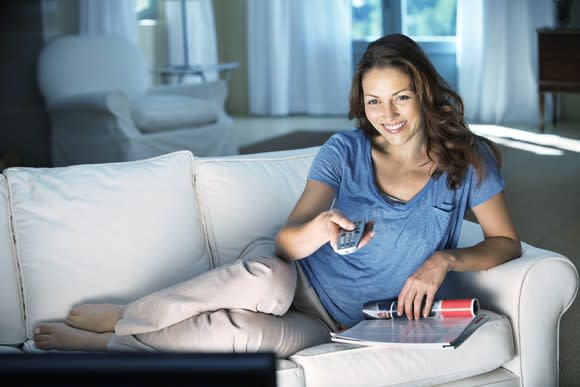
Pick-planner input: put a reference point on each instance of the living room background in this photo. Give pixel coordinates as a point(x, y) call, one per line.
point(27, 24)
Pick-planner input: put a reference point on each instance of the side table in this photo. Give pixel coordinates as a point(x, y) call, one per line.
point(196, 70)
point(559, 61)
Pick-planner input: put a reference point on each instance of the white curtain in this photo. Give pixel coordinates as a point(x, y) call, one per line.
point(200, 35)
point(299, 56)
point(108, 17)
point(497, 58)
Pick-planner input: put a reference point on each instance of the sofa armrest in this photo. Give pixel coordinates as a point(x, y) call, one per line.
point(215, 90)
point(533, 291)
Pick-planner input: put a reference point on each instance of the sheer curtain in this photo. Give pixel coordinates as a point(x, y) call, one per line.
point(299, 56)
point(497, 58)
point(108, 17)
point(201, 47)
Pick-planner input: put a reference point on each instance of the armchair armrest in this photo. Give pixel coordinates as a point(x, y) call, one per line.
point(97, 111)
point(216, 90)
point(104, 101)
point(533, 291)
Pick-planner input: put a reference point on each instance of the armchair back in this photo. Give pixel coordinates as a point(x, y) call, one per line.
point(84, 64)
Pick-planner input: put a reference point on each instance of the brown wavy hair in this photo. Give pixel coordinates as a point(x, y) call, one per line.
point(451, 145)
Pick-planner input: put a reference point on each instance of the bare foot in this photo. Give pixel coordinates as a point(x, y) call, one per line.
point(63, 337)
point(95, 317)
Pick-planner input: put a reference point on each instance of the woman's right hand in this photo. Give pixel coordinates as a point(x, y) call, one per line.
point(336, 221)
point(312, 223)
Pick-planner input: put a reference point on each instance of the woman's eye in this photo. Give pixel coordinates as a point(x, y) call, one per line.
point(401, 99)
point(372, 102)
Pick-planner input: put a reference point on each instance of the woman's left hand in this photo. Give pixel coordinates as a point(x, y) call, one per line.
point(417, 296)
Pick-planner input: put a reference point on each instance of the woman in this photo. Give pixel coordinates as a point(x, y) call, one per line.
point(409, 172)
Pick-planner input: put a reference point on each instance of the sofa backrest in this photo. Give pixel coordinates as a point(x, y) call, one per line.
point(104, 232)
point(11, 308)
point(246, 197)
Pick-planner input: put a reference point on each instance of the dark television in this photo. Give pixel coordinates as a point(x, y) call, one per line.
point(138, 369)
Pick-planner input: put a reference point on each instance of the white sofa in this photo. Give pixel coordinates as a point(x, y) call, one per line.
point(113, 232)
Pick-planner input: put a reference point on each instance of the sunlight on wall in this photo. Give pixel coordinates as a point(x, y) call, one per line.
point(539, 143)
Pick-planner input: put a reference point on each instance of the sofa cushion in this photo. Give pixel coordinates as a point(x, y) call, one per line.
point(104, 232)
point(486, 349)
point(288, 374)
point(167, 112)
point(11, 311)
point(248, 196)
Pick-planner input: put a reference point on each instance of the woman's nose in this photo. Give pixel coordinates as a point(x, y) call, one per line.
point(389, 110)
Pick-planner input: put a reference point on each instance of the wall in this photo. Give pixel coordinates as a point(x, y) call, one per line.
point(24, 127)
point(230, 20)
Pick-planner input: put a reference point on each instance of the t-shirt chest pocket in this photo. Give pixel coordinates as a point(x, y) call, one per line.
point(443, 220)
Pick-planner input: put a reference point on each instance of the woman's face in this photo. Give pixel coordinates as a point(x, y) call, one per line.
point(391, 106)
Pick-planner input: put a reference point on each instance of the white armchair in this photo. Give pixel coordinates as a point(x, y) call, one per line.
point(103, 108)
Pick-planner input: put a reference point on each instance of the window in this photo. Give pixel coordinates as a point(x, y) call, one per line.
point(146, 9)
point(431, 23)
point(429, 19)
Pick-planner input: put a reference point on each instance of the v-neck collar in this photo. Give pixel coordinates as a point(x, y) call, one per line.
point(392, 203)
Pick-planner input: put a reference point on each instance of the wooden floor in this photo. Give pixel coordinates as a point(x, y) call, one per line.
point(542, 173)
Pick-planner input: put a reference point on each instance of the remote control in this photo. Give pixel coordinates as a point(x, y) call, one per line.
point(348, 240)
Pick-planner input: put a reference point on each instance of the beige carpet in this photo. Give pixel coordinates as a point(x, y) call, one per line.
point(544, 195)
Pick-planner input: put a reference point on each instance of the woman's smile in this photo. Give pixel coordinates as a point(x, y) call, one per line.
point(395, 128)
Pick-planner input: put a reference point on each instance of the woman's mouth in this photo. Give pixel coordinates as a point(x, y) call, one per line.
point(394, 128)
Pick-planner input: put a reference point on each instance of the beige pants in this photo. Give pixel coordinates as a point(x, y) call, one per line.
point(258, 303)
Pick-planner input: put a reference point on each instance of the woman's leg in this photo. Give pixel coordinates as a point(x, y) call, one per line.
point(95, 317)
point(306, 300)
point(258, 281)
point(234, 330)
point(64, 337)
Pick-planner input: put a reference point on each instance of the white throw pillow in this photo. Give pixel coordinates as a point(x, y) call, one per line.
point(11, 311)
point(104, 232)
point(249, 196)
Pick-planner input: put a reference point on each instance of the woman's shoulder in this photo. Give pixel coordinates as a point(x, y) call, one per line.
point(487, 150)
point(347, 138)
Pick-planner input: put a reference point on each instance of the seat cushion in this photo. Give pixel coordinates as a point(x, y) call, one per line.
point(156, 113)
point(486, 349)
point(104, 232)
point(11, 310)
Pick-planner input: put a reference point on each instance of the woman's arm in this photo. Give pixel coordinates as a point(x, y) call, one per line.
point(500, 245)
point(312, 223)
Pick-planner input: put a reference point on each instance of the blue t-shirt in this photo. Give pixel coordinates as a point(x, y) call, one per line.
point(406, 234)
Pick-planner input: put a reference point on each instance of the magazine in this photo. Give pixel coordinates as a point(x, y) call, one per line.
point(450, 323)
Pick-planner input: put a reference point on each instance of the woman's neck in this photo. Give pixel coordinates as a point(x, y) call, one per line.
point(411, 154)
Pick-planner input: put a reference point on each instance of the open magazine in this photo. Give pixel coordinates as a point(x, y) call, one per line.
point(450, 323)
